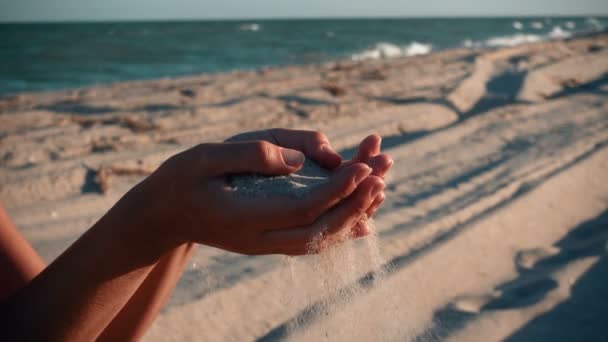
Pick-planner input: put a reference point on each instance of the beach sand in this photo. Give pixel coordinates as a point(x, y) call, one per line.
point(295, 185)
point(494, 226)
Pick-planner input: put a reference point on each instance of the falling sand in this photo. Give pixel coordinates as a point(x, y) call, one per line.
point(323, 283)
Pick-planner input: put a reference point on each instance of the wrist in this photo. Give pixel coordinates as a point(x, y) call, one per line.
point(139, 222)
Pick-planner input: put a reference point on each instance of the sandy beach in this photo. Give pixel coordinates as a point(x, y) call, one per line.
point(495, 225)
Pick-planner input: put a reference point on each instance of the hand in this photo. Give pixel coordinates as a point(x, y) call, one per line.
point(369, 153)
point(187, 199)
point(317, 147)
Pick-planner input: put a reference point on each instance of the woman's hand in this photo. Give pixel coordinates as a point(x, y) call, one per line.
point(187, 198)
point(317, 147)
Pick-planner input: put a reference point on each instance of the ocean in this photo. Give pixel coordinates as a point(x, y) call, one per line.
point(36, 57)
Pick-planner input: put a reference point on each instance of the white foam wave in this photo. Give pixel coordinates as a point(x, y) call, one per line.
point(381, 50)
point(416, 48)
point(570, 25)
point(537, 25)
point(513, 40)
point(517, 39)
point(388, 50)
point(250, 27)
point(558, 33)
point(518, 25)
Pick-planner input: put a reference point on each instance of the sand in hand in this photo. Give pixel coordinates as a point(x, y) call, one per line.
point(296, 185)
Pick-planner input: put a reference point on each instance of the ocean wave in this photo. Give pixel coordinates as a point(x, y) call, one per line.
point(518, 25)
point(559, 33)
point(519, 38)
point(537, 25)
point(513, 40)
point(388, 50)
point(253, 27)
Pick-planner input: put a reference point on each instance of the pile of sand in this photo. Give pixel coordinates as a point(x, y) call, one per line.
point(296, 185)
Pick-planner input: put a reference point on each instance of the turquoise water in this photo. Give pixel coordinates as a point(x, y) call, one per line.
point(55, 56)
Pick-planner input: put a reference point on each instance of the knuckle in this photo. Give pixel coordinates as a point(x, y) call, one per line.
point(377, 180)
point(319, 137)
point(345, 191)
point(263, 151)
point(359, 209)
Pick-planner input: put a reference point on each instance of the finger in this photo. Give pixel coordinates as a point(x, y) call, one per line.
point(375, 205)
point(332, 224)
point(351, 210)
point(285, 212)
point(381, 164)
point(361, 228)
point(314, 144)
point(369, 147)
point(251, 156)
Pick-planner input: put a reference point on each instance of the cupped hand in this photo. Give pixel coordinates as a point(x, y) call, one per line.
point(317, 147)
point(188, 199)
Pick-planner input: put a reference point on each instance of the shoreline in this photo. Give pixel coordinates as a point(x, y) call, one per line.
point(330, 61)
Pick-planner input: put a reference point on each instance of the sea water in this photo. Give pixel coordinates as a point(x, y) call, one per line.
point(68, 55)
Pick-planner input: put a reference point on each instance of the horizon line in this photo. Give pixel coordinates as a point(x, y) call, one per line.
point(279, 18)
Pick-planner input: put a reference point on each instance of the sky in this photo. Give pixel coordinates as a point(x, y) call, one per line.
point(86, 10)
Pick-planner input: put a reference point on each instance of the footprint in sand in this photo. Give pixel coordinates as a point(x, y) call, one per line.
point(520, 293)
point(528, 258)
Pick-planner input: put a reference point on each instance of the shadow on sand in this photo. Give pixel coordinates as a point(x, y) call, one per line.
point(584, 316)
point(580, 318)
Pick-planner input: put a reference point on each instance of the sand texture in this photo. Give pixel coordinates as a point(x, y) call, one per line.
point(494, 226)
point(295, 185)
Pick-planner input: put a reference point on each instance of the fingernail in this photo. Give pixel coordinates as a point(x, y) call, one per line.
point(362, 174)
point(292, 157)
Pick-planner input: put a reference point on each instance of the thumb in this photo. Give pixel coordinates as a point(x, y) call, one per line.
point(253, 156)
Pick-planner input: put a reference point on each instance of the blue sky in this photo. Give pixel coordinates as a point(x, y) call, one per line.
point(52, 10)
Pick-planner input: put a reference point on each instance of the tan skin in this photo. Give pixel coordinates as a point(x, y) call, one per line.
point(114, 280)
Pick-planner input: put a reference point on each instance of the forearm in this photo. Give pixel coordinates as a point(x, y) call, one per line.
point(140, 311)
point(78, 295)
point(19, 263)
